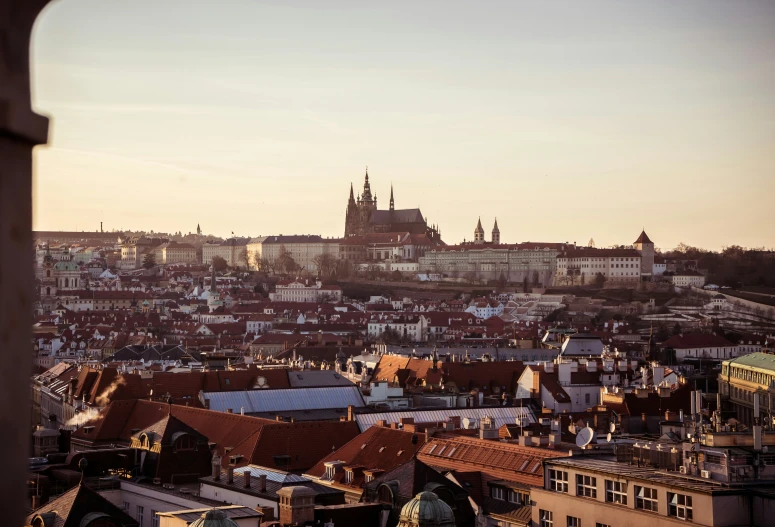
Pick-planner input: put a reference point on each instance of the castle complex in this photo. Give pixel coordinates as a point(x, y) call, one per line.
point(363, 216)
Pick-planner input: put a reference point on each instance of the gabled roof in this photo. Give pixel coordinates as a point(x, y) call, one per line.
point(396, 216)
point(696, 340)
point(76, 505)
point(379, 447)
point(497, 460)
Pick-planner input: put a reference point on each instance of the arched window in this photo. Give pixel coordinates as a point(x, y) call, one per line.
point(183, 443)
point(385, 494)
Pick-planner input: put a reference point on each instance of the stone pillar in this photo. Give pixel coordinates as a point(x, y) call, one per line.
point(20, 131)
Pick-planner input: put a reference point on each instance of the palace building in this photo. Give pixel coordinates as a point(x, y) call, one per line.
point(363, 216)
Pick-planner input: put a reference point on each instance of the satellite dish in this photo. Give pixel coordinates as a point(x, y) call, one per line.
point(608, 437)
point(466, 422)
point(612, 428)
point(584, 437)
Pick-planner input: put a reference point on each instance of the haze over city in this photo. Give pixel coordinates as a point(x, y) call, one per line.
point(566, 120)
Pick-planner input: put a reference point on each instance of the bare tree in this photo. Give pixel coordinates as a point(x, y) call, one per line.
point(325, 263)
point(244, 257)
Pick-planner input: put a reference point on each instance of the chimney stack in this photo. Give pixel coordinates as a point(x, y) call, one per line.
point(262, 483)
point(216, 466)
point(230, 475)
point(246, 479)
point(350, 411)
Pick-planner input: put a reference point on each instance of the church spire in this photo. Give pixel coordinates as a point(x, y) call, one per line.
point(496, 233)
point(352, 195)
point(479, 232)
point(392, 203)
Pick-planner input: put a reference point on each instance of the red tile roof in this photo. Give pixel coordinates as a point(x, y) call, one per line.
point(379, 447)
point(696, 340)
point(495, 459)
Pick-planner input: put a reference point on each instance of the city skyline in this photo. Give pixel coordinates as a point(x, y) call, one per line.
point(567, 124)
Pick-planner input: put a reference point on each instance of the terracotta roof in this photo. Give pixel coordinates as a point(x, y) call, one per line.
point(696, 340)
point(497, 460)
point(268, 445)
point(378, 447)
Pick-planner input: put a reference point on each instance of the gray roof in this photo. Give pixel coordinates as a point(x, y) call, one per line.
point(254, 401)
point(316, 378)
point(397, 216)
point(501, 416)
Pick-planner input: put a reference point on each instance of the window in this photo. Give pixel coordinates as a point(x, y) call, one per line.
point(586, 398)
point(140, 514)
point(126, 506)
point(545, 518)
point(497, 493)
point(598, 524)
point(586, 486)
point(348, 476)
point(185, 442)
point(558, 480)
point(679, 505)
point(646, 499)
point(518, 497)
point(574, 522)
point(616, 492)
point(155, 518)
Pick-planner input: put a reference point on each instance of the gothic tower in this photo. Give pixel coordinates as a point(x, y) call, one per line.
point(392, 203)
point(479, 232)
point(496, 233)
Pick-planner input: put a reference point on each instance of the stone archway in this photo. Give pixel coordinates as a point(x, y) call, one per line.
point(20, 130)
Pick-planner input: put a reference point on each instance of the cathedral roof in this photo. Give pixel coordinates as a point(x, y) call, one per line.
point(396, 216)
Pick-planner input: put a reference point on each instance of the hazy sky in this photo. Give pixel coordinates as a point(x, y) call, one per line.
point(568, 120)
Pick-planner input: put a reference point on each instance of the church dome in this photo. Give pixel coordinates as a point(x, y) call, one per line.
point(214, 518)
point(426, 510)
point(66, 266)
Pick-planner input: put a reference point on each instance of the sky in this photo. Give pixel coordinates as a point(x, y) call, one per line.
point(566, 120)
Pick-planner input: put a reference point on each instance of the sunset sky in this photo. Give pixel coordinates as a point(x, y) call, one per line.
point(567, 120)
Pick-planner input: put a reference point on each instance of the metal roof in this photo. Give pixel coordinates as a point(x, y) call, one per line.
point(317, 378)
point(253, 401)
point(757, 360)
point(501, 416)
point(271, 475)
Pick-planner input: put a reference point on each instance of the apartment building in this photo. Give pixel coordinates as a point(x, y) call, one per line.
point(599, 491)
point(742, 379)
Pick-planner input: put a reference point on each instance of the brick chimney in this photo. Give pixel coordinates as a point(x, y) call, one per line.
point(246, 479)
point(230, 475)
point(262, 483)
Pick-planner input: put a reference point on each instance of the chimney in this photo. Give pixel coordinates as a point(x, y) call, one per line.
point(230, 475)
point(216, 467)
point(246, 479)
point(228, 410)
point(262, 483)
point(350, 411)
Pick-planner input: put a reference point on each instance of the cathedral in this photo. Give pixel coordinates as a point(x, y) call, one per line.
point(363, 216)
